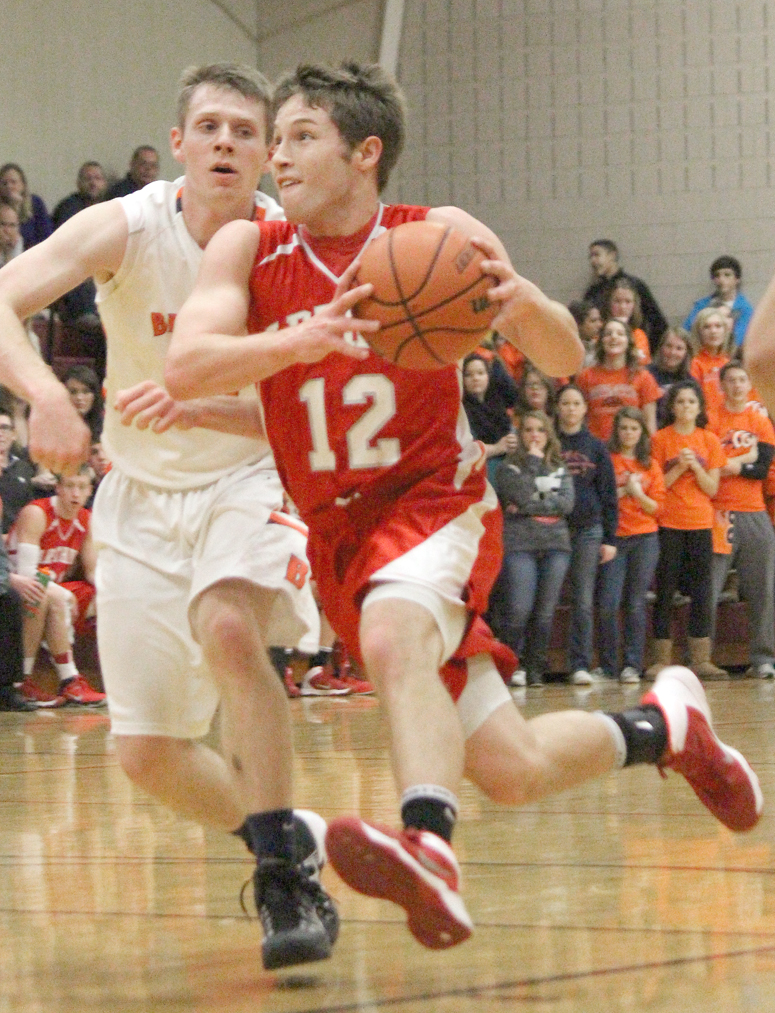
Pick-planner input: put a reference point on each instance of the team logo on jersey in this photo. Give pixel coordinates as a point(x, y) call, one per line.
point(297, 571)
point(738, 439)
point(162, 323)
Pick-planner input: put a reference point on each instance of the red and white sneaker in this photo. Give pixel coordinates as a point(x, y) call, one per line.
point(358, 687)
point(291, 689)
point(320, 681)
point(33, 694)
point(414, 869)
point(719, 775)
point(78, 691)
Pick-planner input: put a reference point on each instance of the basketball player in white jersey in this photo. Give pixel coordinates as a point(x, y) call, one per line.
point(186, 609)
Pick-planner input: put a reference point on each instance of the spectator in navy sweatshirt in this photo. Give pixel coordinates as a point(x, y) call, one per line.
point(592, 523)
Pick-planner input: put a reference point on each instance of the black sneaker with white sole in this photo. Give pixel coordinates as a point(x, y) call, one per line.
point(310, 857)
point(286, 903)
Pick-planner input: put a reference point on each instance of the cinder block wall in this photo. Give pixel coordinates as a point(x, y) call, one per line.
point(560, 121)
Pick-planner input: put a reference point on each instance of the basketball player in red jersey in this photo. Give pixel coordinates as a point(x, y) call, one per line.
point(52, 536)
point(403, 525)
point(185, 613)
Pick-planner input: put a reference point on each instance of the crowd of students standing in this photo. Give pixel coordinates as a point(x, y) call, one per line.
point(646, 476)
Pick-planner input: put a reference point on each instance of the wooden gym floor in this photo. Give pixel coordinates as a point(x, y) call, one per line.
point(623, 895)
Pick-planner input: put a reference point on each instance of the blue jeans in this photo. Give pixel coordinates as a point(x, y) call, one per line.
point(532, 585)
point(584, 559)
point(625, 581)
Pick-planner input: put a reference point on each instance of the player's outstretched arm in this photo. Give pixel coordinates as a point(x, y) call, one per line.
point(759, 348)
point(91, 243)
point(211, 353)
point(149, 406)
point(540, 327)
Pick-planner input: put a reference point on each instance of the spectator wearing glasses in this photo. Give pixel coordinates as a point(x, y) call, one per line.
point(16, 471)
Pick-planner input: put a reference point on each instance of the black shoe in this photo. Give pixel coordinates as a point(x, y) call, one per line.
point(535, 679)
point(310, 833)
point(310, 857)
point(285, 900)
point(12, 700)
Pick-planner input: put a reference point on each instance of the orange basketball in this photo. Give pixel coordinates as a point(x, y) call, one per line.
point(429, 294)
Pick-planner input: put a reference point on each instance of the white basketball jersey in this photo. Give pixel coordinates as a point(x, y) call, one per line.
point(138, 308)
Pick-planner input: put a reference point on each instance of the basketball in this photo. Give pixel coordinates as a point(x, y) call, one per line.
point(430, 295)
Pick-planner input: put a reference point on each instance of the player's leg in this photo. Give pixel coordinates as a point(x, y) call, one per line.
point(227, 620)
point(247, 593)
point(33, 626)
point(406, 633)
point(59, 633)
point(402, 652)
point(160, 696)
point(515, 761)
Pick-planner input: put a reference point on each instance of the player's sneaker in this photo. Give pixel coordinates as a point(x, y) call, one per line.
point(415, 869)
point(719, 775)
point(78, 691)
point(358, 687)
point(291, 689)
point(320, 681)
point(311, 857)
point(35, 695)
point(293, 931)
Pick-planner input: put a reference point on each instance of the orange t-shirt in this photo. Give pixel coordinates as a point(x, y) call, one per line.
point(608, 390)
point(513, 360)
point(737, 432)
point(633, 519)
point(642, 344)
point(687, 507)
point(705, 369)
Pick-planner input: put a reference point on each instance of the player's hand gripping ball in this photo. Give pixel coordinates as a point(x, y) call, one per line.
point(430, 295)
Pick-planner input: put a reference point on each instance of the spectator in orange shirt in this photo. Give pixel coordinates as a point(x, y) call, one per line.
point(617, 380)
point(495, 348)
point(623, 303)
point(627, 577)
point(691, 458)
point(748, 439)
point(713, 345)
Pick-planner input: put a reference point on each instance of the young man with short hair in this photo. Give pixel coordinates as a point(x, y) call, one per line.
point(404, 529)
point(726, 275)
point(604, 261)
point(748, 439)
point(186, 614)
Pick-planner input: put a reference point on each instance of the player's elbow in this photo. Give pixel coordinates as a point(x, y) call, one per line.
point(179, 377)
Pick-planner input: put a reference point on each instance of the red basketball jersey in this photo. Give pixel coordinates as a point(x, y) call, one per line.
point(61, 541)
point(344, 429)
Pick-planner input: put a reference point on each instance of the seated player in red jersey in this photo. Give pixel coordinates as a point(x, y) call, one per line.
point(50, 543)
point(404, 529)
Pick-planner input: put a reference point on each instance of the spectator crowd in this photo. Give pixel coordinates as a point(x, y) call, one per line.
point(644, 481)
